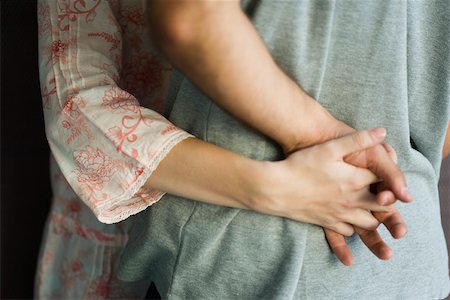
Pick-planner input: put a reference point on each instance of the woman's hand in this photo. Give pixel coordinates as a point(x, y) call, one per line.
point(301, 186)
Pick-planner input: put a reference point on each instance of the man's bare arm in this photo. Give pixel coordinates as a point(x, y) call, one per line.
point(217, 47)
point(446, 149)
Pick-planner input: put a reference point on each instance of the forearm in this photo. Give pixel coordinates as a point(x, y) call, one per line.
point(305, 181)
point(446, 148)
point(217, 47)
point(197, 170)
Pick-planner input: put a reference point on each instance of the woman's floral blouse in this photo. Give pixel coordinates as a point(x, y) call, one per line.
point(102, 88)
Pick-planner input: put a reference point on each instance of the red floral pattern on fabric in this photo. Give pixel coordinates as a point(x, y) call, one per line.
point(68, 226)
point(74, 121)
point(144, 75)
point(132, 21)
point(43, 15)
point(94, 167)
point(113, 39)
point(59, 53)
point(100, 288)
point(169, 129)
point(70, 10)
point(73, 271)
point(73, 207)
point(117, 99)
point(47, 92)
point(101, 83)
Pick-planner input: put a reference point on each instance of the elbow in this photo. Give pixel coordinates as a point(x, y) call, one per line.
point(178, 24)
point(173, 26)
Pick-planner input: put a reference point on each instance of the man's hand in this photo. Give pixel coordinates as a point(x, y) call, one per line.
point(211, 42)
point(308, 179)
point(381, 160)
point(392, 220)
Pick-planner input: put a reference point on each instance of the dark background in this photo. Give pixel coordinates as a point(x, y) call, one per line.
point(25, 183)
point(25, 187)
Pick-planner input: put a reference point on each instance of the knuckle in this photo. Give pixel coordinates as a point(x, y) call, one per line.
point(346, 204)
point(355, 183)
point(348, 231)
point(343, 189)
point(328, 223)
point(371, 224)
point(374, 225)
point(358, 182)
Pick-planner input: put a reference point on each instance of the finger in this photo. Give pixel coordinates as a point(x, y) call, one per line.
point(361, 218)
point(373, 241)
point(383, 166)
point(361, 177)
point(393, 221)
point(364, 199)
point(343, 228)
point(359, 141)
point(339, 246)
point(392, 153)
point(385, 197)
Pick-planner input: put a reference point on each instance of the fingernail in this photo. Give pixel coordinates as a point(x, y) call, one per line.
point(378, 132)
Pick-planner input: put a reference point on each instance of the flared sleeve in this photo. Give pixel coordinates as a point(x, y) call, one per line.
point(105, 143)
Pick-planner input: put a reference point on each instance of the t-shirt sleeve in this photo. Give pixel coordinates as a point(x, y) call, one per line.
point(104, 142)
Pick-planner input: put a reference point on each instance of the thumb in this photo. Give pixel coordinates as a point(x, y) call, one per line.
point(360, 140)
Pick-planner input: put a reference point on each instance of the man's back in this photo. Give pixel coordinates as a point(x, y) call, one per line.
point(370, 64)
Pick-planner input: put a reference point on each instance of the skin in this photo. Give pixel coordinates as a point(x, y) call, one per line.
point(218, 176)
point(396, 225)
point(200, 38)
point(186, 34)
point(446, 148)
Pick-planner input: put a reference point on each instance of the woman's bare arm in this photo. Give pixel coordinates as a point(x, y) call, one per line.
point(305, 181)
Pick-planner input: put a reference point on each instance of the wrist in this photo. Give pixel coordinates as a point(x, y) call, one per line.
point(259, 184)
point(317, 126)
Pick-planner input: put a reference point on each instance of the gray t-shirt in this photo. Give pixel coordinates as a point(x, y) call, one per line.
point(370, 63)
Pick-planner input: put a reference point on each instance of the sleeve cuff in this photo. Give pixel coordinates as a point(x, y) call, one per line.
point(137, 197)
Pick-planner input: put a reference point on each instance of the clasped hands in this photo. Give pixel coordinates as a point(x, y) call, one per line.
point(347, 185)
